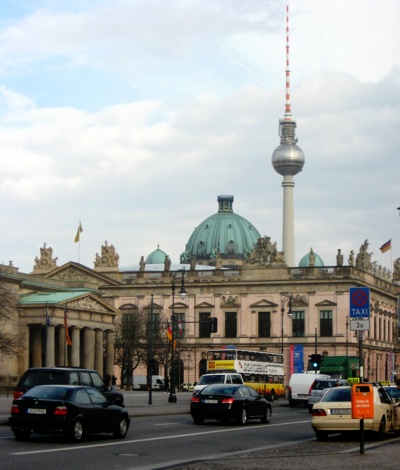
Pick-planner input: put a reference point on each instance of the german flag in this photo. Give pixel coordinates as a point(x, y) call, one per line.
point(386, 246)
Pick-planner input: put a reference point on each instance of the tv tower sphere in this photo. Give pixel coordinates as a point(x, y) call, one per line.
point(288, 159)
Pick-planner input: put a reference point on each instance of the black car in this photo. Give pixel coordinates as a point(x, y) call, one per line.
point(65, 376)
point(229, 402)
point(66, 409)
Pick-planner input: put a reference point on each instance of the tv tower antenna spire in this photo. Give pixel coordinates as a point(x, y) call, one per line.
point(288, 111)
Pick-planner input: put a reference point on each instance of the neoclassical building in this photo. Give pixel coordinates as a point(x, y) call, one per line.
point(230, 272)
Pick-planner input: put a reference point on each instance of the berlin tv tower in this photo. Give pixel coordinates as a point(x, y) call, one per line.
point(288, 160)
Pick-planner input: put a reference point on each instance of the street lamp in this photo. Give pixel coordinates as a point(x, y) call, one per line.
point(287, 299)
point(182, 294)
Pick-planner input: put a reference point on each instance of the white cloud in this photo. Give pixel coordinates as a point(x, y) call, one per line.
point(134, 121)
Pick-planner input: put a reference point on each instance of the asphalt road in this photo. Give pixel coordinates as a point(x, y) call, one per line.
point(163, 435)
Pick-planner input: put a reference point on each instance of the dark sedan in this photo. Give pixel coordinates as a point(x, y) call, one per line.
point(229, 402)
point(66, 409)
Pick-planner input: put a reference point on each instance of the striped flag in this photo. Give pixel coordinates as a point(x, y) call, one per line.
point(67, 338)
point(386, 246)
point(169, 332)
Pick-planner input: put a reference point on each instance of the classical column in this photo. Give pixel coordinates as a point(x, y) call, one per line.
point(61, 347)
point(23, 364)
point(36, 346)
point(49, 361)
point(98, 357)
point(88, 348)
point(109, 352)
point(76, 347)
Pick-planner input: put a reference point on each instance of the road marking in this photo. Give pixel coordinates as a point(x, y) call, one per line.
point(152, 439)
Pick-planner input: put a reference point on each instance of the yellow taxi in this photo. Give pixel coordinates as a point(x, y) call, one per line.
point(333, 413)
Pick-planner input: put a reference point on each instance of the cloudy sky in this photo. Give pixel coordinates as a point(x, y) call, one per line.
point(134, 115)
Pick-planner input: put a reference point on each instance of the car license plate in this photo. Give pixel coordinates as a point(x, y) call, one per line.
point(339, 411)
point(210, 401)
point(36, 411)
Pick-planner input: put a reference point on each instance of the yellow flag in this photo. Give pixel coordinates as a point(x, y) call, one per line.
point(78, 233)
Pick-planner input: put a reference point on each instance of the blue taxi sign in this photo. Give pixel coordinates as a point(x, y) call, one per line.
point(359, 302)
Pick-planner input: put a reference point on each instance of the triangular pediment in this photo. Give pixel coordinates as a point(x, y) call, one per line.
point(326, 303)
point(204, 305)
point(80, 275)
point(70, 300)
point(264, 303)
point(87, 302)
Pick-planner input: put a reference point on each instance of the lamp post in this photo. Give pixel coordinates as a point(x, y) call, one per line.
point(182, 295)
point(347, 335)
point(287, 299)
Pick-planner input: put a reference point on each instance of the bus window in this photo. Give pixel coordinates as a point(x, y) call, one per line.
point(269, 357)
point(246, 355)
point(240, 355)
point(264, 357)
point(252, 378)
point(276, 379)
point(281, 379)
point(263, 378)
point(258, 357)
point(271, 379)
point(274, 358)
point(247, 378)
point(280, 359)
point(252, 357)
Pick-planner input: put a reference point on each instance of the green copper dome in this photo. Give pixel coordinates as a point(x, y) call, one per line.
point(156, 257)
point(223, 234)
point(305, 261)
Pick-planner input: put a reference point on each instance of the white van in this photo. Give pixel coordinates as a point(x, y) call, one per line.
point(300, 384)
point(139, 382)
point(220, 378)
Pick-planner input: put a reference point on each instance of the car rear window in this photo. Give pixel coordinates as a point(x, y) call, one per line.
point(322, 384)
point(337, 394)
point(48, 393)
point(34, 378)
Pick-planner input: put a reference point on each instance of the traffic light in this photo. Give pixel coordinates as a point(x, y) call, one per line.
point(213, 324)
point(315, 360)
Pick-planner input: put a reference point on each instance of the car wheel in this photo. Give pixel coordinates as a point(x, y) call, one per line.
point(76, 434)
point(266, 417)
point(122, 430)
point(22, 435)
point(198, 420)
point(243, 417)
point(321, 435)
point(382, 428)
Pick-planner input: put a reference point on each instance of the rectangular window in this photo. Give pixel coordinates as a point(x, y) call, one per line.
point(264, 324)
point(325, 323)
point(179, 331)
point(230, 324)
point(154, 324)
point(298, 324)
point(204, 324)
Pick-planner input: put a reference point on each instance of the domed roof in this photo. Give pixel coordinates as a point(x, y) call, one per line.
point(156, 257)
point(225, 234)
point(305, 261)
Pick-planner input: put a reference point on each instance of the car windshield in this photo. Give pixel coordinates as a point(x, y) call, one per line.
point(211, 379)
point(337, 394)
point(48, 393)
point(218, 390)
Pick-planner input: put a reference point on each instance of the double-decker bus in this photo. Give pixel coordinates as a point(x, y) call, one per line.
point(261, 370)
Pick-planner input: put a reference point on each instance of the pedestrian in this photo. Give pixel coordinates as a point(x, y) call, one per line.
point(398, 383)
point(107, 381)
point(114, 382)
